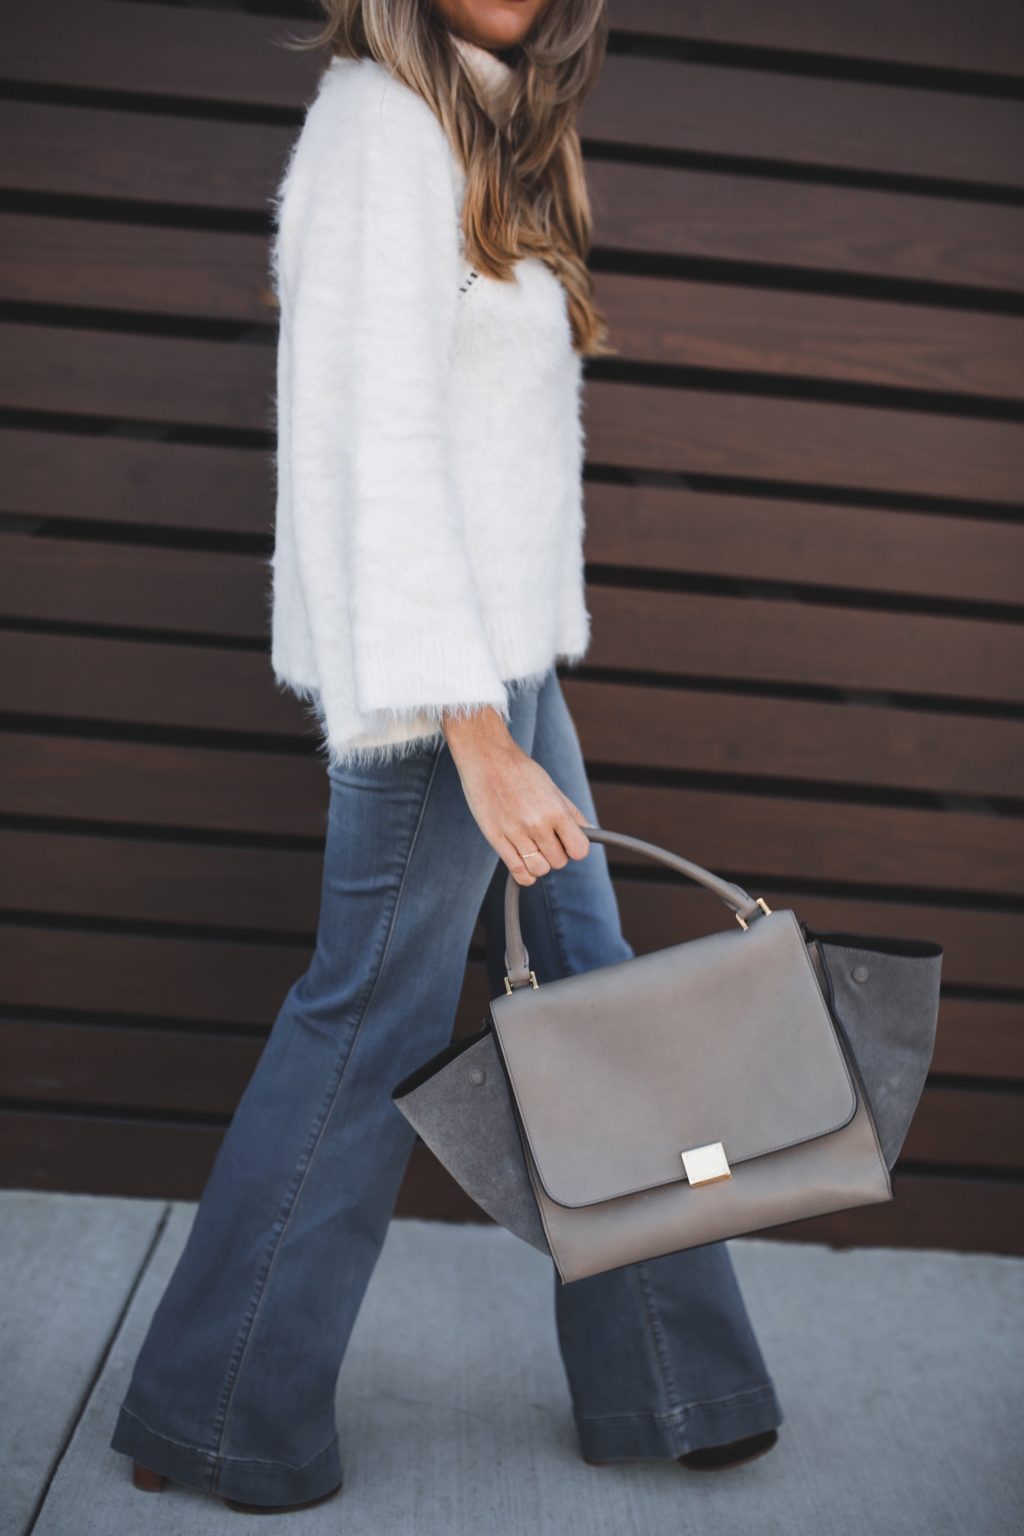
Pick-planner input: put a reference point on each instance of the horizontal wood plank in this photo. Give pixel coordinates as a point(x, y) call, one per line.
point(201, 274)
point(135, 975)
point(698, 731)
point(670, 633)
point(979, 1038)
point(787, 334)
point(771, 539)
point(927, 1211)
point(100, 44)
point(272, 890)
point(179, 162)
point(150, 1070)
point(134, 783)
point(125, 479)
point(795, 119)
point(970, 1127)
point(214, 384)
point(978, 853)
point(182, 162)
point(135, 586)
point(807, 443)
point(956, 38)
point(803, 225)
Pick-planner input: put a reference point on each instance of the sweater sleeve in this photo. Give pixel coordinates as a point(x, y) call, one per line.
point(374, 277)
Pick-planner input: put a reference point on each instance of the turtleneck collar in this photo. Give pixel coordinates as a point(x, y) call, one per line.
point(489, 73)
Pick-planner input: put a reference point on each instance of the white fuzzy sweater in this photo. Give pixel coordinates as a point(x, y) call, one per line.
point(428, 546)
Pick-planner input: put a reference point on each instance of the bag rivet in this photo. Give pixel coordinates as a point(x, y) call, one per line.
point(860, 973)
point(477, 1076)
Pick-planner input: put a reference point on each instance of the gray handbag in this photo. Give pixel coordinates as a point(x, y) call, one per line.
point(752, 1077)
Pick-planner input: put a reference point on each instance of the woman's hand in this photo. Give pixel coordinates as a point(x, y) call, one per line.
point(516, 804)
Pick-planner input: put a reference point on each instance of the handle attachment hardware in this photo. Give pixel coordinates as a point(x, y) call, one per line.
point(508, 984)
point(765, 908)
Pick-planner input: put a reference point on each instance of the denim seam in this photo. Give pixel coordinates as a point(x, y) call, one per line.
point(252, 1461)
point(657, 1341)
point(316, 1136)
point(704, 1405)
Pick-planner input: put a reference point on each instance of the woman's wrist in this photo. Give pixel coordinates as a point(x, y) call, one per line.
point(483, 727)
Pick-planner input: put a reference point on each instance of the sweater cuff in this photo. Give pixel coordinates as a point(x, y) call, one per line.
point(429, 673)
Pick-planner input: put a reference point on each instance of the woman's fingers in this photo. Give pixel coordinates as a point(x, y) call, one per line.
point(514, 862)
point(575, 842)
point(544, 839)
point(533, 849)
point(535, 859)
point(527, 819)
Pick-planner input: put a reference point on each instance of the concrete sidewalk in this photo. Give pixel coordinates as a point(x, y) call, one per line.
point(901, 1375)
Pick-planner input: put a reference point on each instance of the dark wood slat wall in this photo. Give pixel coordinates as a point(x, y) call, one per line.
point(805, 550)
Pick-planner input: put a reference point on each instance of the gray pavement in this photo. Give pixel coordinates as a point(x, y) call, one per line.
point(901, 1375)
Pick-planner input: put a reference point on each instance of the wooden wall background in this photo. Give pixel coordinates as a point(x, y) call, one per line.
point(805, 549)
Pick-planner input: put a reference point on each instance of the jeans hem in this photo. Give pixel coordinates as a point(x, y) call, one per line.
point(230, 1477)
point(637, 1436)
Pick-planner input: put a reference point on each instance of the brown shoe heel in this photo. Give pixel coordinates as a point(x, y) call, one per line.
point(149, 1482)
point(154, 1482)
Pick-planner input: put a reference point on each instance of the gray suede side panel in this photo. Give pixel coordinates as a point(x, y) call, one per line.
point(888, 1006)
point(464, 1114)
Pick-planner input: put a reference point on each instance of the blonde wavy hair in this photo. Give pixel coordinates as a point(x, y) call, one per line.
point(526, 191)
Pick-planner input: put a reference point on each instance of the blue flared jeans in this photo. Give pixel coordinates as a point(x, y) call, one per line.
point(233, 1390)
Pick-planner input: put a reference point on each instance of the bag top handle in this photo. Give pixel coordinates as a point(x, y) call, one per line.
point(743, 906)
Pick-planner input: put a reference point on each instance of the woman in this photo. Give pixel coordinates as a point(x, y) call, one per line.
point(429, 260)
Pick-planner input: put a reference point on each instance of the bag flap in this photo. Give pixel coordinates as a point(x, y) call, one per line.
point(616, 1072)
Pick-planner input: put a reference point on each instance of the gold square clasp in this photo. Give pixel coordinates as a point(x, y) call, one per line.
point(706, 1165)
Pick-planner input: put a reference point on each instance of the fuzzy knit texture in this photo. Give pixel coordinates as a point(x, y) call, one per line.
point(428, 548)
